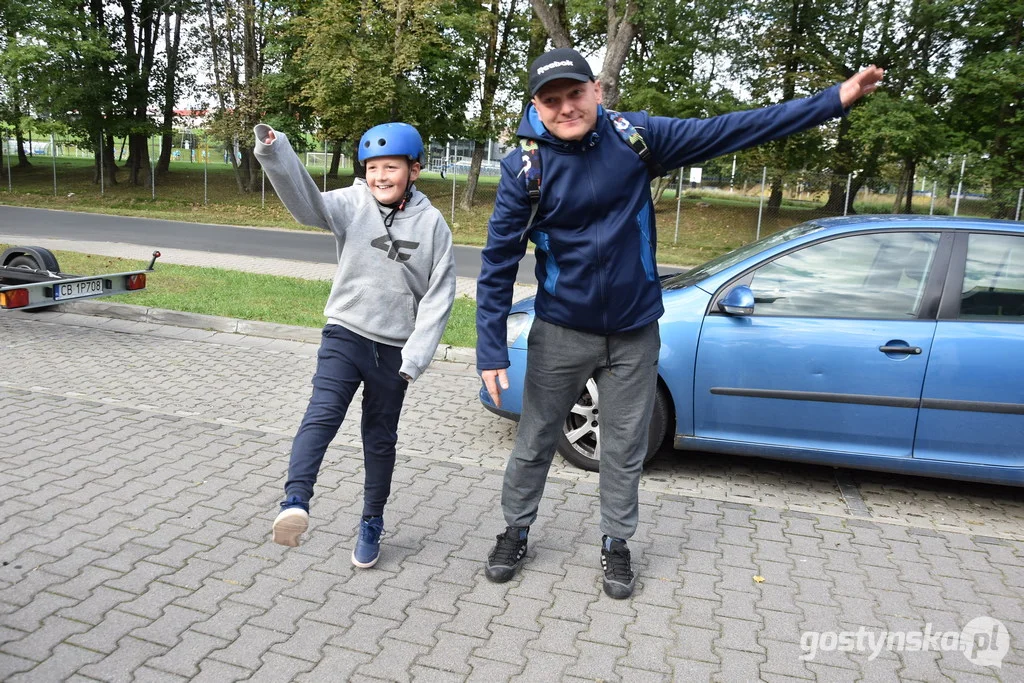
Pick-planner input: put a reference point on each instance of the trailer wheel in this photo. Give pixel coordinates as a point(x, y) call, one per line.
point(32, 257)
point(35, 258)
point(23, 262)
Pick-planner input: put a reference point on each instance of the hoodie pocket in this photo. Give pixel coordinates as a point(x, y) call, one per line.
point(380, 311)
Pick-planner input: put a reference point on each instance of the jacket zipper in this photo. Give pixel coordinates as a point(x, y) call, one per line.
point(600, 263)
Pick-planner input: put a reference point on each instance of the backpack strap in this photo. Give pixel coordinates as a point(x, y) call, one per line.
point(531, 170)
point(531, 174)
point(636, 142)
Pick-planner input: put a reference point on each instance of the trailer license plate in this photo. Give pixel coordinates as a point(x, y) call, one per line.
point(76, 290)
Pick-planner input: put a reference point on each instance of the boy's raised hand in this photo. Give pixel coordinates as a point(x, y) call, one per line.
point(270, 136)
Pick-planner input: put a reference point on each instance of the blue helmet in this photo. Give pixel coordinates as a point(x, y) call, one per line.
point(390, 139)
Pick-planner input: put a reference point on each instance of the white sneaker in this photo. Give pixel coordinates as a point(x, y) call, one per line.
point(289, 525)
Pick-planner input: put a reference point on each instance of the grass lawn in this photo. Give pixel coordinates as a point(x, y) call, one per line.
point(234, 294)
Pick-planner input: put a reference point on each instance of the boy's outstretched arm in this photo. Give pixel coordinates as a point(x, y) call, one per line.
point(293, 184)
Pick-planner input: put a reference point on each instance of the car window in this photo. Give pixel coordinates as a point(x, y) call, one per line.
point(879, 275)
point(717, 265)
point(993, 278)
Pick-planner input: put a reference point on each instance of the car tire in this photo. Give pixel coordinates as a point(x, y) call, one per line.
point(581, 430)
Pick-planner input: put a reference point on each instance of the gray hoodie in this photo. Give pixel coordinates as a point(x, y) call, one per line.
point(394, 286)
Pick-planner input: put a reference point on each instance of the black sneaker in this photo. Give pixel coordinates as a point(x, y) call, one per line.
point(618, 574)
point(507, 555)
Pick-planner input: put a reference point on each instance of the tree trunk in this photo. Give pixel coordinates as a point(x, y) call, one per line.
point(105, 155)
point(911, 174)
point(20, 141)
point(837, 195)
point(138, 165)
point(553, 18)
point(473, 177)
point(253, 169)
point(901, 186)
point(358, 169)
point(163, 162)
point(771, 210)
point(335, 160)
point(229, 148)
point(621, 31)
point(663, 183)
point(172, 40)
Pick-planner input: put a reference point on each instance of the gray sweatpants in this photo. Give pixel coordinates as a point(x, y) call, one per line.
point(559, 363)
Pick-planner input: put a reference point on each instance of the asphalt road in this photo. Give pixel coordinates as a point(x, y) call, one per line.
point(312, 247)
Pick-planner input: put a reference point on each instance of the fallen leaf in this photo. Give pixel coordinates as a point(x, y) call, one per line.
point(759, 579)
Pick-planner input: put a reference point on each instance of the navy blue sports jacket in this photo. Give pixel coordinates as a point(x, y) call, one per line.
point(594, 230)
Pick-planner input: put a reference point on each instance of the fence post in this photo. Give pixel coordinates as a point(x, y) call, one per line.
point(263, 188)
point(325, 162)
point(846, 202)
point(960, 186)
point(7, 142)
point(760, 203)
point(206, 165)
point(53, 162)
point(935, 188)
point(152, 165)
point(453, 192)
point(679, 203)
point(1020, 196)
point(732, 178)
point(102, 179)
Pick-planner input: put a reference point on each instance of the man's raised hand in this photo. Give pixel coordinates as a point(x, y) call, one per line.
point(860, 84)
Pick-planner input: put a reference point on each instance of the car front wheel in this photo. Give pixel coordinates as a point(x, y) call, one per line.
point(580, 442)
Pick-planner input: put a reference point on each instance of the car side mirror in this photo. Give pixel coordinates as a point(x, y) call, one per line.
point(739, 301)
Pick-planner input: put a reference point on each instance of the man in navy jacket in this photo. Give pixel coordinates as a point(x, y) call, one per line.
point(599, 299)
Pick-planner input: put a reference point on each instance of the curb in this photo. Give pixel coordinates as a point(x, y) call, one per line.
point(252, 328)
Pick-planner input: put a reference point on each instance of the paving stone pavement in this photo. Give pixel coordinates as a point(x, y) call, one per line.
point(144, 461)
point(143, 464)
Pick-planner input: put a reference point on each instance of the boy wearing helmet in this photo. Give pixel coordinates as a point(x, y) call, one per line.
point(388, 306)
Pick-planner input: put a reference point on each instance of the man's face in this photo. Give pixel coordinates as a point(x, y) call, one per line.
point(389, 176)
point(568, 108)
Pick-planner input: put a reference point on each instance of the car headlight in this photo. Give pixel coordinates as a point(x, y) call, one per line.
point(518, 323)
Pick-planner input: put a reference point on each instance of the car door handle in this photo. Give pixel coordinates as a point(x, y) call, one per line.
point(912, 350)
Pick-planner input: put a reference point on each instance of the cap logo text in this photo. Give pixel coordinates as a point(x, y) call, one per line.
point(552, 65)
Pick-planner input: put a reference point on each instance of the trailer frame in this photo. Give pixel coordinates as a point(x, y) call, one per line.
point(31, 279)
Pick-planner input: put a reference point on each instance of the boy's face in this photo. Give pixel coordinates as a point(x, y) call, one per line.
point(568, 108)
point(389, 176)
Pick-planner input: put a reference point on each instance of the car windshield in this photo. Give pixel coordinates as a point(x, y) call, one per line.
point(716, 265)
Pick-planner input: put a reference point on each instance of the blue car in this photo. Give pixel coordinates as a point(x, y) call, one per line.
point(891, 343)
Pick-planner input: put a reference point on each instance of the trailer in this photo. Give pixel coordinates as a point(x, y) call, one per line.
point(30, 279)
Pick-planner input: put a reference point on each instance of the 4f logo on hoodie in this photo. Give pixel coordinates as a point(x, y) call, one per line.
point(394, 249)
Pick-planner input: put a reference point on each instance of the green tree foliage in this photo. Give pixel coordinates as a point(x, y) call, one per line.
point(238, 33)
point(364, 63)
point(67, 52)
point(784, 60)
point(502, 33)
point(988, 94)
